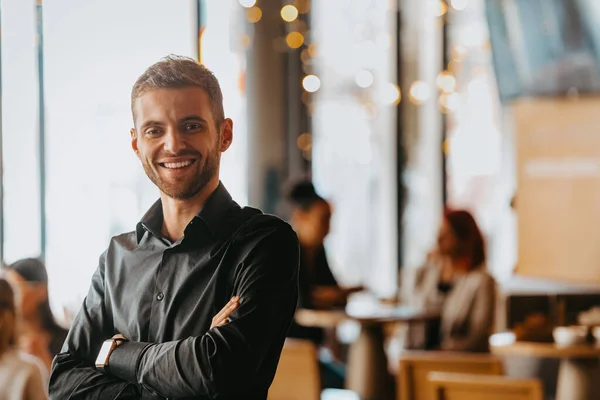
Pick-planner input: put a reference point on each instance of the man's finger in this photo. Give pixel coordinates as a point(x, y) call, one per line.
point(227, 310)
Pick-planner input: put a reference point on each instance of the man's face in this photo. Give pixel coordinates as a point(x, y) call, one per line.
point(177, 140)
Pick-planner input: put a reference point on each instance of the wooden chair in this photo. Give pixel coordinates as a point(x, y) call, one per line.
point(297, 376)
point(412, 381)
point(452, 386)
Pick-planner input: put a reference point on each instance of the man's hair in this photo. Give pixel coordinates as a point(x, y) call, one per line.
point(173, 72)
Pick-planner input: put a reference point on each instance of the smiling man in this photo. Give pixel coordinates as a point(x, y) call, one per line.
point(196, 302)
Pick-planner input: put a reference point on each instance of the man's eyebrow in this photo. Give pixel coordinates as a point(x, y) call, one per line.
point(196, 118)
point(151, 123)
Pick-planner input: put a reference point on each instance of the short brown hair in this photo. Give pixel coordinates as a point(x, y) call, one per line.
point(179, 72)
point(8, 316)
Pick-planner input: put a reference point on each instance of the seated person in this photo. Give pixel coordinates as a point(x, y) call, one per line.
point(454, 283)
point(318, 288)
point(21, 375)
point(39, 334)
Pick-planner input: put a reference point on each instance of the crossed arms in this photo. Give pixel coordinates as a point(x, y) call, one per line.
point(224, 361)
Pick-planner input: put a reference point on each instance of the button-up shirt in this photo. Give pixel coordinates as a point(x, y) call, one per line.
point(162, 296)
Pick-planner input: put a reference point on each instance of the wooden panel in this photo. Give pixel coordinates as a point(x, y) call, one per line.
point(558, 168)
point(449, 386)
point(415, 366)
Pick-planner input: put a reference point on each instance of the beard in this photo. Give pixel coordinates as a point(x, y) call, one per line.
point(186, 187)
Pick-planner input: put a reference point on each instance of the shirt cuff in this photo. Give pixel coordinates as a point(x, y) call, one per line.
point(124, 360)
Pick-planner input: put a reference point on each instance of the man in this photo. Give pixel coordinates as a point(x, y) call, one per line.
point(197, 301)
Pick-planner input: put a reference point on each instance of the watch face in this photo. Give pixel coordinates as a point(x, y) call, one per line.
point(102, 359)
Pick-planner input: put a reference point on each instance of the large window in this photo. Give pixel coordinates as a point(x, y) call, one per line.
point(21, 216)
point(481, 152)
point(354, 160)
point(95, 187)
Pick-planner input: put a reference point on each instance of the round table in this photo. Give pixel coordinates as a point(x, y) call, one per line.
point(579, 372)
point(367, 373)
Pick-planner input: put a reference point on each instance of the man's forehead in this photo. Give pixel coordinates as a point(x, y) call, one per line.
point(176, 102)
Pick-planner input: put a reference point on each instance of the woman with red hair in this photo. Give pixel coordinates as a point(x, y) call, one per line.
point(454, 282)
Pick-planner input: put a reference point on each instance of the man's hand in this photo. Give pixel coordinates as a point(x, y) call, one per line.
point(221, 318)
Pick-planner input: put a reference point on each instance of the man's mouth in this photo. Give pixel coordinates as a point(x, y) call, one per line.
point(177, 165)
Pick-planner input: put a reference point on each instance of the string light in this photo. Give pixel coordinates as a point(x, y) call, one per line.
point(312, 50)
point(253, 14)
point(247, 3)
point(446, 82)
point(440, 8)
point(311, 83)
point(289, 13)
point(245, 41)
point(458, 53)
point(294, 40)
point(419, 92)
point(305, 57)
point(390, 94)
point(449, 101)
point(304, 141)
point(459, 5)
point(364, 78)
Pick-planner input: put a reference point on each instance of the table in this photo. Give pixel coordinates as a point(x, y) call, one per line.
point(579, 371)
point(367, 372)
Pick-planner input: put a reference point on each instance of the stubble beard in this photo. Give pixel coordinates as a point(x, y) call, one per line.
point(186, 188)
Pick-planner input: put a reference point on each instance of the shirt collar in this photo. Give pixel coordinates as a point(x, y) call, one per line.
point(218, 204)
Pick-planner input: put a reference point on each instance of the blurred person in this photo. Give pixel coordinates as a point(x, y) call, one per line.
point(39, 334)
point(196, 302)
point(311, 219)
point(318, 288)
point(454, 283)
point(21, 375)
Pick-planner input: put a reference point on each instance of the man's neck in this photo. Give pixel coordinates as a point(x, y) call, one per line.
point(177, 214)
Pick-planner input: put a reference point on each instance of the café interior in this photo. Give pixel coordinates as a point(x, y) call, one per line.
point(445, 147)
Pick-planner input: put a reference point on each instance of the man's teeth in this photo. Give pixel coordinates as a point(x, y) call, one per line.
point(178, 164)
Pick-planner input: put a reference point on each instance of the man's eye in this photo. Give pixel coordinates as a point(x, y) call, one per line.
point(152, 131)
point(192, 127)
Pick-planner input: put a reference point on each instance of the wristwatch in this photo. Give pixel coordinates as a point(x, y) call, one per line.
point(105, 351)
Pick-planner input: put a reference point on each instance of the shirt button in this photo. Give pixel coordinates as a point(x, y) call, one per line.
point(160, 296)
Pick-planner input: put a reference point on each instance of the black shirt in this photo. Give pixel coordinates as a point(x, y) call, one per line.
point(311, 275)
point(162, 296)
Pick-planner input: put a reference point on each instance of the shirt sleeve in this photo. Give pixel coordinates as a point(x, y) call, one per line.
point(239, 357)
point(73, 374)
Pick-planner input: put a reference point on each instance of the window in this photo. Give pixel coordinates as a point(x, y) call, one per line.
point(481, 174)
point(354, 146)
point(20, 131)
point(96, 187)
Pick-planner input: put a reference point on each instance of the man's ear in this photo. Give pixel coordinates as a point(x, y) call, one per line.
point(134, 144)
point(226, 134)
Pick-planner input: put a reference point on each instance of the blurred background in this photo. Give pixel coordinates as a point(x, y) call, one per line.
point(394, 109)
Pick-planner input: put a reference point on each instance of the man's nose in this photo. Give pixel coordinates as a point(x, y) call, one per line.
point(174, 142)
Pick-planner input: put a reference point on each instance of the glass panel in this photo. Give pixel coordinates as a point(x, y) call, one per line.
point(96, 188)
point(223, 53)
point(354, 162)
point(19, 131)
point(481, 175)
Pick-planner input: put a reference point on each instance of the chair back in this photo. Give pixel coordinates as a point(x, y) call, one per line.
point(297, 376)
point(451, 386)
point(412, 383)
